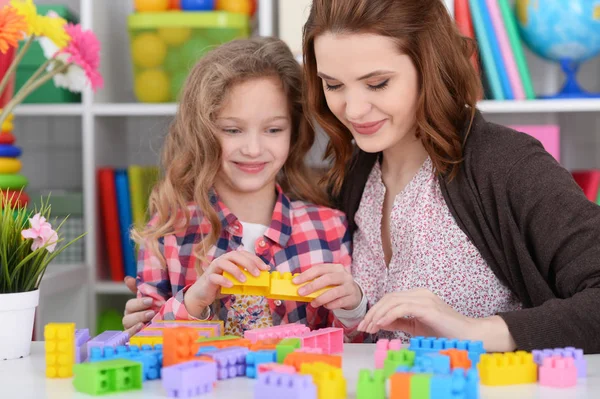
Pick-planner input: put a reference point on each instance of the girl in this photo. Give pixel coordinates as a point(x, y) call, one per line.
point(461, 228)
point(233, 158)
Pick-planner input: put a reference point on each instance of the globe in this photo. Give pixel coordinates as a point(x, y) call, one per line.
point(563, 31)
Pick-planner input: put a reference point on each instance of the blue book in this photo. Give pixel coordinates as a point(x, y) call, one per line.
point(125, 221)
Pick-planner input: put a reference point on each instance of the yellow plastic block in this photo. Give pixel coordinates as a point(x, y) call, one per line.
point(60, 349)
point(329, 380)
point(507, 368)
point(283, 288)
point(253, 285)
point(135, 340)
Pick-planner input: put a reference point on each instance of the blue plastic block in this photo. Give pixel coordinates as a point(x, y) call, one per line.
point(458, 385)
point(425, 345)
point(151, 359)
point(440, 364)
point(206, 349)
point(403, 369)
point(253, 359)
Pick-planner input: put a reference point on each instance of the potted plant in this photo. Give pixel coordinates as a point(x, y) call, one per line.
point(28, 244)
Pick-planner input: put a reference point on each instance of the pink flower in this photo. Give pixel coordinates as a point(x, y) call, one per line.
point(41, 233)
point(84, 51)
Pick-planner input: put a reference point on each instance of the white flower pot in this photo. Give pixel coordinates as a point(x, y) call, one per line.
point(17, 313)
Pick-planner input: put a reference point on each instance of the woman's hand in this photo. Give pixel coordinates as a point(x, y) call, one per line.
point(345, 294)
point(419, 312)
point(206, 288)
point(137, 310)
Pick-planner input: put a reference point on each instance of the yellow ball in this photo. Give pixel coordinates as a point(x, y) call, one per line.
point(152, 86)
point(151, 5)
point(174, 36)
point(148, 50)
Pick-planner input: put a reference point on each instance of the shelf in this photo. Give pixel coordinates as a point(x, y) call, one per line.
point(540, 106)
point(111, 287)
point(59, 278)
point(135, 109)
point(49, 109)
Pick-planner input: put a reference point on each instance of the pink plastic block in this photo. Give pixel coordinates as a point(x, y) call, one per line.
point(576, 354)
point(318, 351)
point(381, 349)
point(558, 372)
point(281, 331)
point(548, 135)
point(278, 368)
point(330, 340)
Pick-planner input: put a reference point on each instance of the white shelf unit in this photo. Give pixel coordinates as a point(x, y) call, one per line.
point(110, 128)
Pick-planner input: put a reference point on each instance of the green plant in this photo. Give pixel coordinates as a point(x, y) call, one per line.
point(27, 244)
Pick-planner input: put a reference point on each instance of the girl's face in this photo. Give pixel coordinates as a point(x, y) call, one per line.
point(370, 87)
point(254, 129)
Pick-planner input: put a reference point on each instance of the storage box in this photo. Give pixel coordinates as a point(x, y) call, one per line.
point(48, 92)
point(166, 45)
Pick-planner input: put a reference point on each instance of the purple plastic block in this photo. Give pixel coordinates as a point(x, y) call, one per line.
point(108, 338)
point(273, 385)
point(569, 351)
point(189, 379)
point(231, 362)
point(82, 336)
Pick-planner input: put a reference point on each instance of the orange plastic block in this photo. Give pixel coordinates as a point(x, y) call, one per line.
point(224, 342)
point(265, 344)
point(458, 358)
point(60, 349)
point(283, 288)
point(329, 380)
point(400, 386)
point(253, 285)
point(507, 368)
point(296, 359)
point(179, 345)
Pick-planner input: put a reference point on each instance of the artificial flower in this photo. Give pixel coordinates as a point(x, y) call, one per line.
point(12, 26)
point(51, 27)
point(41, 233)
point(84, 52)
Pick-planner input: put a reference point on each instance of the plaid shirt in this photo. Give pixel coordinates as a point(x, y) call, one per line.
point(300, 235)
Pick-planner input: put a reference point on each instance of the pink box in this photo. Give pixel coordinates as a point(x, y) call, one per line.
point(330, 340)
point(558, 372)
point(548, 135)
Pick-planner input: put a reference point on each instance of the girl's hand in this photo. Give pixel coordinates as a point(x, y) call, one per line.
point(344, 295)
point(206, 288)
point(419, 312)
point(137, 310)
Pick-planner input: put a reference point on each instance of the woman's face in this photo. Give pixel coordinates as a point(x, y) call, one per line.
point(370, 87)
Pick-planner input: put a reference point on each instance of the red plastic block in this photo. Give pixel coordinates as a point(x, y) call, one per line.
point(281, 331)
point(330, 340)
point(179, 345)
point(558, 372)
point(296, 359)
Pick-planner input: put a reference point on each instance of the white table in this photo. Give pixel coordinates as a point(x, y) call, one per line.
point(25, 379)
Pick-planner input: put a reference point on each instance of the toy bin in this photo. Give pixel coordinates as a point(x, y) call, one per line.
point(34, 58)
point(166, 45)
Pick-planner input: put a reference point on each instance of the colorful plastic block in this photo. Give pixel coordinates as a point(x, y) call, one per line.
point(558, 372)
point(231, 362)
point(439, 363)
point(110, 376)
point(217, 326)
point(279, 368)
point(189, 379)
point(252, 286)
point(329, 380)
point(576, 354)
point(459, 384)
point(150, 359)
point(206, 349)
point(60, 349)
point(507, 368)
point(403, 357)
point(400, 385)
point(283, 288)
point(82, 336)
point(381, 349)
point(274, 385)
point(309, 350)
point(265, 344)
point(296, 359)
point(108, 338)
point(285, 347)
point(140, 340)
point(253, 359)
point(281, 331)
point(179, 345)
point(420, 386)
point(225, 341)
point(330, 340)
point(422, 345)
point(370, 386)
point(458, 358)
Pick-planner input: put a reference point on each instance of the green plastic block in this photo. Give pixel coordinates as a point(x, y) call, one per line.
point(285, 347)
point(370, 386)
point(402, 357)
point(111, 376)
point(420, 386)
point(220, 338)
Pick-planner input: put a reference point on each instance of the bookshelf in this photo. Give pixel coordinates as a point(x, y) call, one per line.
point(64, 144)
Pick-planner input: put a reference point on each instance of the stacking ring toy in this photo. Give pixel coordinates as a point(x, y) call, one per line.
point(16, 198)
point(7, 138)
point(7, 126)
point(13, 182)
point(9, 151)
point(10, 165)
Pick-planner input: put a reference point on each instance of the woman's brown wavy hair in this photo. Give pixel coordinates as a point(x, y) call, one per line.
point(423, 30)
point(191, 155)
